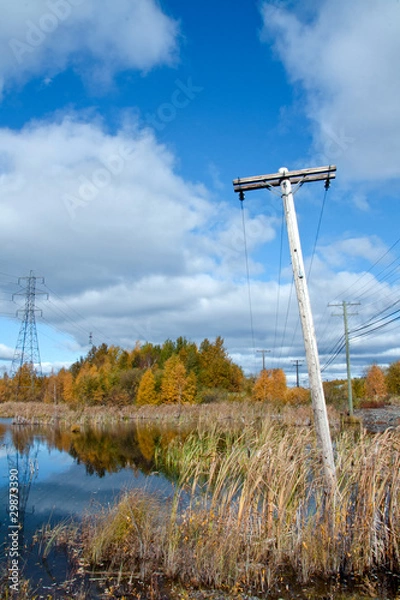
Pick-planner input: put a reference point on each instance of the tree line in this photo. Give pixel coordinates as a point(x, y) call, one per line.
point(175, 372)
point(180, 372)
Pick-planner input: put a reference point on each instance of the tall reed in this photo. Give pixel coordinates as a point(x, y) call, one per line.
point(251, 507)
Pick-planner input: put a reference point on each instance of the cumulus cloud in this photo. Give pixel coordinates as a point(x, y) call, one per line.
point(108, 203)
point(343, 252)
point(131, 250)
point(97, 39)
point(344, 55)
point(6, 353)
point(131, 247)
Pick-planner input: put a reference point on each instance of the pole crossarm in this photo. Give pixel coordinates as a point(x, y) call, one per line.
point(275, 179)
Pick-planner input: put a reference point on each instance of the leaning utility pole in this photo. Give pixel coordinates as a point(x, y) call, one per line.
point(284, 180)
point(344, 305)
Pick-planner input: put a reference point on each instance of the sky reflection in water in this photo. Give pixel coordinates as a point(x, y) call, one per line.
point(75, 472)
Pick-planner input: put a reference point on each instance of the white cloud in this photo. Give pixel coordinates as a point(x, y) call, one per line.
point(6, 353)
point(348, 251)
point(345, 56)
point(97, 39)
point(133, 251)
point(108, 203)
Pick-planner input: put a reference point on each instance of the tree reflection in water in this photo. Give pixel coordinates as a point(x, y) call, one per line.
point(102, 449)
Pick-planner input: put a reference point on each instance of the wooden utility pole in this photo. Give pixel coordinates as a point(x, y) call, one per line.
point(263, 352)
point(284, 180)
point(344, 305)
point(297, 363)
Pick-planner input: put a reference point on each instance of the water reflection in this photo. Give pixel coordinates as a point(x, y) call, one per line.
point(102, 450)
point(64, 473)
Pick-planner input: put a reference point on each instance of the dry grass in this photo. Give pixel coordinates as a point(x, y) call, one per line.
point(251, 507)
point(199, 415)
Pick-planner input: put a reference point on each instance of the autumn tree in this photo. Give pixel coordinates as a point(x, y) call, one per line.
point(26, 385)
point(147, 393)
point(270, 385)
point(5, 384)
point(66, 382)
point(88, 386)
point(262, 386)
point(297, 395)
point(375, 385)
point(176, 385)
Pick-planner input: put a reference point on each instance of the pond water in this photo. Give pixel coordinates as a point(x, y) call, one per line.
point(64, 474)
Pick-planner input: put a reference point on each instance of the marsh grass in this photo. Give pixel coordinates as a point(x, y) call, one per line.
point(204, 416)
point(251, 509)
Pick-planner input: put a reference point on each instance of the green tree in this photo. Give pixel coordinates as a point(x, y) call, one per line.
point(358, 385)
point(216, 368)
point(393, 379)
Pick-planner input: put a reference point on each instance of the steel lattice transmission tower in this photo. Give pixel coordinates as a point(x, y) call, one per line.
point(27, 348)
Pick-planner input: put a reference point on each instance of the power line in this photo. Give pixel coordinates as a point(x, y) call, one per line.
point(241, 198)
point(279, 285)
point(327, 183)
point(345, 292)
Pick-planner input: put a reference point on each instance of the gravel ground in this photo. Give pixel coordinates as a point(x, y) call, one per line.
point(377, 420)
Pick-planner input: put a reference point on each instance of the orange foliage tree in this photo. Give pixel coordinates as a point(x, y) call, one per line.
point(375, 384)
point(271, 386)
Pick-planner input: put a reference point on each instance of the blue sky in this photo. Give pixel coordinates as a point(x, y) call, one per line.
point(122, 125)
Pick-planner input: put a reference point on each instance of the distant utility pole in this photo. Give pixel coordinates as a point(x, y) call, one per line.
point(284, 179)
point(263, 352)
point(27, 347)
point(297, 363)
point(345, 314)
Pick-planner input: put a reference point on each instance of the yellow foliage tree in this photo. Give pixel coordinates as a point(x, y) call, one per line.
point(67, 387)
point(176, 386)
point(147, 393)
